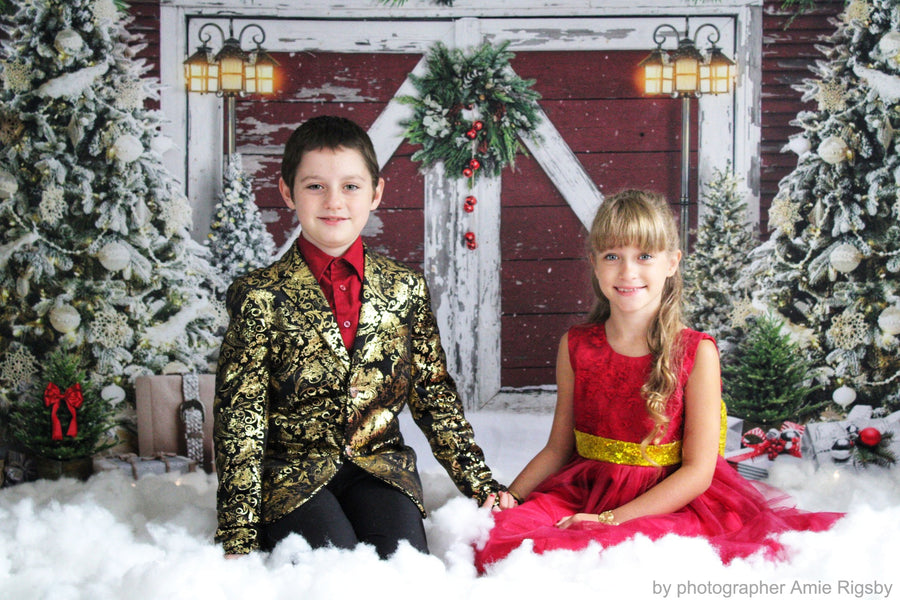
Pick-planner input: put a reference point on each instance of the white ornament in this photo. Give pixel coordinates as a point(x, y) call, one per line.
point(68, 41)
point(833, 150)
point(889, 320)
point(844, 396)
point(845, 258)
point(114, 256)
point(799, 144)
point(127, 148)
point(8, 184)
point(889, 45)
point(64, 318)
point(113, 394)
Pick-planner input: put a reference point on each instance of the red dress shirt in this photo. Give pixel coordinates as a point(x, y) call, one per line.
point(341, 281)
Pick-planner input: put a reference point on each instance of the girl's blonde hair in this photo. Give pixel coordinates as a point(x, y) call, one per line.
point(644, 220)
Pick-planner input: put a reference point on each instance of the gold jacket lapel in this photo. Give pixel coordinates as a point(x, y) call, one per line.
point(310, 305)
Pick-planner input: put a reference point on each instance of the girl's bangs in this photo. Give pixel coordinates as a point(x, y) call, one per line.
point(633, 224)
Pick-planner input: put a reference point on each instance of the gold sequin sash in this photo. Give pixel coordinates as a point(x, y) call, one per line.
point(626, 453)
point(629, 453)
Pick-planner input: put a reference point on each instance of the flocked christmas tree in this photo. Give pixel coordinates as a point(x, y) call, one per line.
point(833, 261)
point(716, 299)
point(95, 251)
point(238, 239)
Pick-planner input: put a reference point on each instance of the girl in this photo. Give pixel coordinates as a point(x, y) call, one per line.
point(636, 433)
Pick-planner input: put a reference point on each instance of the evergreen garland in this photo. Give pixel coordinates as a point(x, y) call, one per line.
point(880, 454)
point(30, 419)
point(470, 110)
point(769, 381)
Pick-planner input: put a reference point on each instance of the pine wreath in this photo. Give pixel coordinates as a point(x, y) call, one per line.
point(470, 110)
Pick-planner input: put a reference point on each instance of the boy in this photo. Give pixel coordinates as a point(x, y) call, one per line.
point(324, 349)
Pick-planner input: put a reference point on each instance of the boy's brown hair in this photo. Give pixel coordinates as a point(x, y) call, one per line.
point(330, 132)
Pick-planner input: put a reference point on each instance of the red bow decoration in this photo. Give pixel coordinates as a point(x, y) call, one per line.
point(73, 399)
point(773, 443)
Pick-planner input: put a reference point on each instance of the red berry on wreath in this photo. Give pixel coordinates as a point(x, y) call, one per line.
point(869, 436)
point(475, 163)
point(471, 134)
point(478, 125)
point(467, 172)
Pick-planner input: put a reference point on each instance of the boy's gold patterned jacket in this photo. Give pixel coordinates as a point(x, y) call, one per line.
point(292, 404)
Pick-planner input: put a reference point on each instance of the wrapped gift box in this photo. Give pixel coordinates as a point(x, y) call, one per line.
point(138, 466)
point(159, 400)
point(752, 459)
point(819, 439)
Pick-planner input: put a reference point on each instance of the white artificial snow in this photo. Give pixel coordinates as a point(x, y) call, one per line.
point(112, 538)
point(886, 86)
point(72, 85)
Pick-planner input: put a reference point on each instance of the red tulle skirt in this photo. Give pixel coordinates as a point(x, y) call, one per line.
point(738, 517)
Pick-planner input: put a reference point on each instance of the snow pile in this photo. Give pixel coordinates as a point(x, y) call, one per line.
point(113, 538)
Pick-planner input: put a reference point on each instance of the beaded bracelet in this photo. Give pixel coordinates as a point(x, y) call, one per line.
point(607, 518)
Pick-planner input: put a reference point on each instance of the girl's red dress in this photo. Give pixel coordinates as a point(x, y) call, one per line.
point(738, 517)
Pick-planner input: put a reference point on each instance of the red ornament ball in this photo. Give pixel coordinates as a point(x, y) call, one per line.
point(470, 237)
point(471, 134)
point(869, 436)
point(477, 125)
point(471, 245)
point(467, 172)
point(468, 208)
point(471, 200)
point(475, 164)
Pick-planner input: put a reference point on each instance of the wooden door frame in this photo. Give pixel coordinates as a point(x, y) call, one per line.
point(465, 285)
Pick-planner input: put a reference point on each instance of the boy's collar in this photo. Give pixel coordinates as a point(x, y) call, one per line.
point(318, 260)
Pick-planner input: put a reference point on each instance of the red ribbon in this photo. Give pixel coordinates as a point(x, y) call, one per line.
point(73, 399)
point(772, 446)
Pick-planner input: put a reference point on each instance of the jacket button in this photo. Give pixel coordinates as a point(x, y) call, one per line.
point(354, 392)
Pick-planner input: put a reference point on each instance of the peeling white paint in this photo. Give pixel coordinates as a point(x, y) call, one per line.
point(339, 93)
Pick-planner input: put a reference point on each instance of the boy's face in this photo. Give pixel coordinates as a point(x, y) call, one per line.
point(332, 196)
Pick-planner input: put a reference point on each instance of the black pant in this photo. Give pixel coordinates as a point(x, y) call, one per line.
point(354, 507)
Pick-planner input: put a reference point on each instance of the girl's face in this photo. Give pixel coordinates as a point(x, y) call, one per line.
point(633, 279)
point(333, 195)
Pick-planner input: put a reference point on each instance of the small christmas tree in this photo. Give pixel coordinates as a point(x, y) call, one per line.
point(712, 272)
point(239, 240)
point(769, 381)
point(62, 416)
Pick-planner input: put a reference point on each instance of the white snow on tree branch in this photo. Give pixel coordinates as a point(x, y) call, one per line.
point(72, 85)
point(168, 332)
point(886, 86)
point(6, 251)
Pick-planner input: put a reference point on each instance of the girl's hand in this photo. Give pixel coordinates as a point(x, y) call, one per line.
point(567, 522)
point(505, 501)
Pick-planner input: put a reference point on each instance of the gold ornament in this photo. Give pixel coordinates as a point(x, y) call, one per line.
point(832, 96)
point(10, 129)
point(857, 10)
